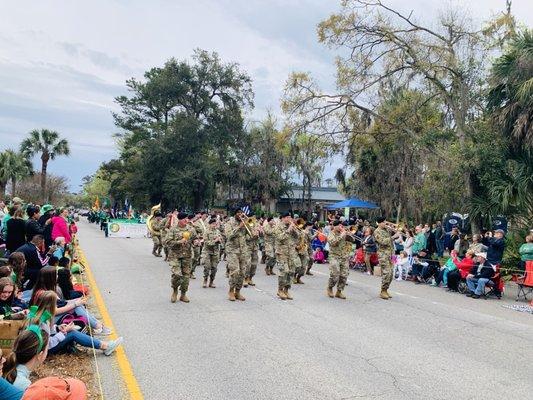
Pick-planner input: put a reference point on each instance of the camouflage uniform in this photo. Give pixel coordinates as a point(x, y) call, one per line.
point(200, 227)
point(235, 254)
point(285, 248)
point(268, 233)
point(157, 226)
point(211, 252)
point(180, 256)
point(301, 249)
point(310, 259)
point(252, 244)
point(384, 241)
point(338, 265)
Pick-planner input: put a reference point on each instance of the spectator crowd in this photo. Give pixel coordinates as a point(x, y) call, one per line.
point(41, 294)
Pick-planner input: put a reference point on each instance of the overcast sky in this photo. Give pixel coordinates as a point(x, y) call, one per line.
point(63, 62)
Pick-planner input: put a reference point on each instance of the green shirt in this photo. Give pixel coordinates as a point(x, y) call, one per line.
point(526, 252)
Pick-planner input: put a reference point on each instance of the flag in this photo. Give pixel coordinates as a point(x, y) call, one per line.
point(246, 210)
point(96, 205)
point(126, 205)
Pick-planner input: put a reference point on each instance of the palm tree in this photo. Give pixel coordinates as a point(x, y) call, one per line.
point(4, 174)
point(19, 168)
point(510, 97)
point(49, 145)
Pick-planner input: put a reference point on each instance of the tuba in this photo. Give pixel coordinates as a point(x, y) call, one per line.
point(150, 219)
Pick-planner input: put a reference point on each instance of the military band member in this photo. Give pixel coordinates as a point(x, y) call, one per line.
point(270, 256)
point(180, 239)
point(236, 249)
point(286, 236)
point(301, 250)
point(252, 257)
point(384, 240)
point(211, 252)
point(311, 234)
point(338, 265)
point(157, 227)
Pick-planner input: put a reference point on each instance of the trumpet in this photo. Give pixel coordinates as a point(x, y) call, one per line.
point(248, 223)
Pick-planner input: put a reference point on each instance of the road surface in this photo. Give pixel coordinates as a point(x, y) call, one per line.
point(425, 343)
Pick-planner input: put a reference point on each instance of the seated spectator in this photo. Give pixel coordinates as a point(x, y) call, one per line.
point(17, 263)
point(479, 276)
point(8, 308)
point(65, 285)
point(424, 268)
point(29, 351)
point(407, 242)
point(449, 267)
point(477, 246)
point(64, 336)
point(496, 246)
point(401, 266)
point(463, 269)
point(15, 229)
point(47, 280)
point(7, 390)
point(67, 389)
point(53, 261)
point(64, 262)
point(35, 259)
point(60, 226)
point(526, 251)
point(60, 247)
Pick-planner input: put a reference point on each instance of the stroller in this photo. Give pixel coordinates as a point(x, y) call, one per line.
point(357, 262)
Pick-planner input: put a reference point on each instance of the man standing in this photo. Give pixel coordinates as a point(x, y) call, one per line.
point(310, 237)
point(384, 240)
point(338, 265)
point(236, 248)
point(157, 227)
point(301, 249)
point(180, 239)
point(285, 233)
point(198, 223)
point(33, 227)
point(252, 258)
point(439, 238)
point(211, 252)
point(268, 235)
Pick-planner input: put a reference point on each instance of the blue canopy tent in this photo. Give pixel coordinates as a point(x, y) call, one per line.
point(352, 203)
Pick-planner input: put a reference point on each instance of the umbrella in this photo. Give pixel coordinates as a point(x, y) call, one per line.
point(352, 203)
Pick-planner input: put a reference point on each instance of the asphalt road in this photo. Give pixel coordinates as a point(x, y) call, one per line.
point(425, 343)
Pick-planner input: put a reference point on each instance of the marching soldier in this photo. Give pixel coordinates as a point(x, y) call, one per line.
point(211, 252)
point(236, 248)
point(285, 236)
point(252, 258)
point(156, 234)
point(338, 267)
point(269, 238)
point(384, 240)
point(301, 250)
point(199, 225)
point(180, 239)
point(311, 236)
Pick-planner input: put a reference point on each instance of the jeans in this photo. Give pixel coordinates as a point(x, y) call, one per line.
point(75, 337)
point(440, 247)
point(481, 282)
point(81, 311)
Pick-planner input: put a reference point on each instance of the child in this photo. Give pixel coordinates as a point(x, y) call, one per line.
point(29, 351)
point(445, 270)
point(401, 266)
point(64, 336)
point(319, 255)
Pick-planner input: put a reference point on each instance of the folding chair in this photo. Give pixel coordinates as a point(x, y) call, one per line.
point(525, 283)
point(495, 286)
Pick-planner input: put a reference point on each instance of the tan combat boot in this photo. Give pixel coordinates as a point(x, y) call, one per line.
point(211, 284)
point(340, 295)
point(184, 297)
point(299, 280)
point(174, 295)
point(205, 283)
point(388, 294)
point(239, 296)
point(281, 294)
point(308, 272)
point(329, 292)
point(272, 271)
point(231, 294)
point(384, 295)
point(245, 283)
point(250, 282)
point(287, 294)
point(267, 270)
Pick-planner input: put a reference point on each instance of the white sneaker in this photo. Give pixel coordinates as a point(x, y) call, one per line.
point(112, 346)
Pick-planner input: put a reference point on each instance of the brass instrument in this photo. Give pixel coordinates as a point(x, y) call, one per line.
point(150, 220)
point(299, 224)
point(248, 223)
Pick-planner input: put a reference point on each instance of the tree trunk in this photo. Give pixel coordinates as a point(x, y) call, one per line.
point(13, 187)
point(44, 167)
point(3, 189)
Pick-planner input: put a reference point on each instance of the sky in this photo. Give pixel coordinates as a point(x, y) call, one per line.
point(62, 63)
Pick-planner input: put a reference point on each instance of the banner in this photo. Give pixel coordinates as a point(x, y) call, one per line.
point(124, 229)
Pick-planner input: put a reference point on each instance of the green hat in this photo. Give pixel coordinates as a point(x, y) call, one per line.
point(46, 208)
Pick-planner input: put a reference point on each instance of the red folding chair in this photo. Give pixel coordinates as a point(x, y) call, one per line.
point(525, 283)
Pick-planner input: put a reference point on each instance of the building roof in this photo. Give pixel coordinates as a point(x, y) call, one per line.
point(318, 194)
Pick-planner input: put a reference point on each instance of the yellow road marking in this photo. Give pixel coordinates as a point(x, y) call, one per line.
point(125, 368)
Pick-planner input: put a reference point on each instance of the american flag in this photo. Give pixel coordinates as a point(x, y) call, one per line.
point(246, 210)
